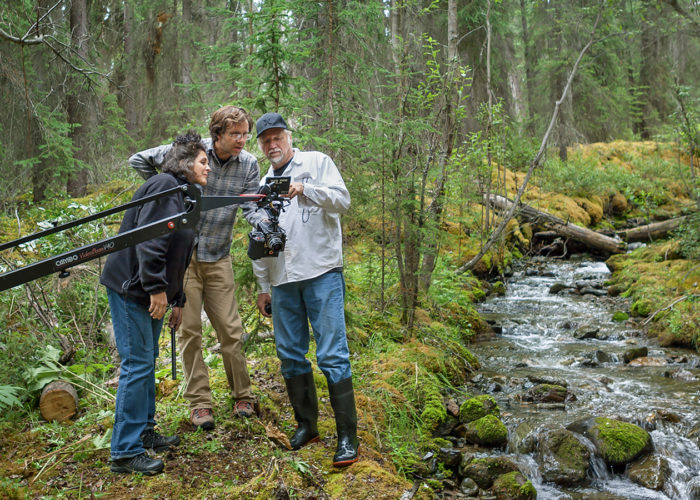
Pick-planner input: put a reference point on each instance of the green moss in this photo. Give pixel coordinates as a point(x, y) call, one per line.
point(514, 486)
point(619, 442)
point(499, 288)
point(477, 407)
point(620, 316)
point(434, 412)
point(490, 430)
point(641, 307)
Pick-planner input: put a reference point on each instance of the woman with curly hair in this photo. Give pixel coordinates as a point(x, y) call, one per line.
point(141, 282)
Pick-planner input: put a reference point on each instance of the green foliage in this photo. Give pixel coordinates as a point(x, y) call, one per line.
point(9, 396)
point(689, 237)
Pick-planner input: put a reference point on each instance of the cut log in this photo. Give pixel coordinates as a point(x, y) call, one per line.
point(58, 401)
point(591, 239)
point(651, 232)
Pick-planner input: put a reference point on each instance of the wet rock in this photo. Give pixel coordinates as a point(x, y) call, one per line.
point(563, 458)
point(484, 471)
point(446, 427)
point(543, 379)
point(513, 486)
point(451, 457)
point(548, 393)
point(586, 332)
point(615, 441)
point(485, 431)
point(593, 291)
point(477, 407)
point(685, 375)
point(598, 357)
point(648, 361)
point(566, 325)
point(558, 287)
point(523, 439)
point(634, 353)
point(469, 487)
point(650, 472)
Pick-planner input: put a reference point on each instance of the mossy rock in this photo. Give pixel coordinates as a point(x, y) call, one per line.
point(616, 442)
point(434, 412)
point(484, 471)
point(620, 316)
point(650, 472)
point(486, 431)
point(563, 458)
point(513, 486)
point(642, 307)
point(548, 393)
point(498, 288)
point(477, 407)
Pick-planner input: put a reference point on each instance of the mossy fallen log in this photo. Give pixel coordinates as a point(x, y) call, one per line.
point(651, 232)
point(591, 239)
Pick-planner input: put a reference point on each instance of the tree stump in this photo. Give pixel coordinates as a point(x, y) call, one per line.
point(58, 401)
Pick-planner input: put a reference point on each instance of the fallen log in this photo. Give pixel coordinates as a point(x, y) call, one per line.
point(58, 401)
point(651, 232)
point(591, 239)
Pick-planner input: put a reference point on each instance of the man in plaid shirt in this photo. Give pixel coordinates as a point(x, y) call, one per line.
point(209, 280)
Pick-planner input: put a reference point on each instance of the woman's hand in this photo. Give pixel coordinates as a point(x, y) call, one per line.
point(175, 317)
point(159, 304)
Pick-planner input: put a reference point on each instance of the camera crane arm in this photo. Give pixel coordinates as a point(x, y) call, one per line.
point(195, 203)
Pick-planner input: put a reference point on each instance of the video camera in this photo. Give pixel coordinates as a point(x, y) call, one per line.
point(268, 239)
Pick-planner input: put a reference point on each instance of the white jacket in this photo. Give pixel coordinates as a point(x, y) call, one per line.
point(311, 221)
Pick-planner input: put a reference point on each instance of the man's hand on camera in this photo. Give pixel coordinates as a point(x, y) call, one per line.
point(295, 189)
point(175, 317)
point(263, 300)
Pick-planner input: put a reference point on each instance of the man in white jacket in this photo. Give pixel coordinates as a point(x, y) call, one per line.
point(305, 284)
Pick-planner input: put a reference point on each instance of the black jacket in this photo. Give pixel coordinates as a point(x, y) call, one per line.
point(158, 264)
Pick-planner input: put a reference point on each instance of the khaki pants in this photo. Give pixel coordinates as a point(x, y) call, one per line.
point(211, 284)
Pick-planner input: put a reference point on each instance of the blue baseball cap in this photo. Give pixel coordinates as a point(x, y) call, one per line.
point(269, 120)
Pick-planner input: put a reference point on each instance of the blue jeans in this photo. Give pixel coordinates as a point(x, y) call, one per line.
point(136, 334)
point(319, 301)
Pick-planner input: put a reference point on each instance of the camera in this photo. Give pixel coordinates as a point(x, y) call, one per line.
point(268, 239)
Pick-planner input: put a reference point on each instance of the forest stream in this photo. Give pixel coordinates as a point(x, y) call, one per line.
point(570, 337)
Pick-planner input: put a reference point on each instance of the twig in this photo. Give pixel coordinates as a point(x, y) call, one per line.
point(63, 448)
point(676, 301)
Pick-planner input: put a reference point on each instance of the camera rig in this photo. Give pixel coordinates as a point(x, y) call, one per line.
point(195, 203)
point(268, 239)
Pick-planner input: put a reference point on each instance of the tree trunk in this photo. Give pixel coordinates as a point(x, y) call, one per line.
point(58, 401)
point(77, 102)
point(589, 238)
point(529, 73)
point(651, 232)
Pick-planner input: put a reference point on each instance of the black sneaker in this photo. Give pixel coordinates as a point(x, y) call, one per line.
point(157, 442)
point(140, 463)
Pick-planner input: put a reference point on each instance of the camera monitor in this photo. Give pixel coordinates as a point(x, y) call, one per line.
point(279, 185)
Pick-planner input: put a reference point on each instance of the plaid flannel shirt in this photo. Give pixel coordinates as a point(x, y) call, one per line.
point(233, 177)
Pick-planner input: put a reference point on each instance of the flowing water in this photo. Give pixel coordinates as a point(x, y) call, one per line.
point(538, 338)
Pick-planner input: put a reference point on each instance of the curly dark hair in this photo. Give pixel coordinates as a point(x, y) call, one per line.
point(180, 159)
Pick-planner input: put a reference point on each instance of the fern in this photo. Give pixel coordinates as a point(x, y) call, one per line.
point(9, 396)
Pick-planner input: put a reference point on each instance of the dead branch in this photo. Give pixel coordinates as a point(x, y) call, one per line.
point(535, 162)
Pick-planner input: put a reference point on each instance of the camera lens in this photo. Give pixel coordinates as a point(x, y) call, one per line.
point(275, 243)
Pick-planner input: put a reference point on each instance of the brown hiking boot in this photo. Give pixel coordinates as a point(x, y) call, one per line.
point(202, 418)
point(243, 409)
